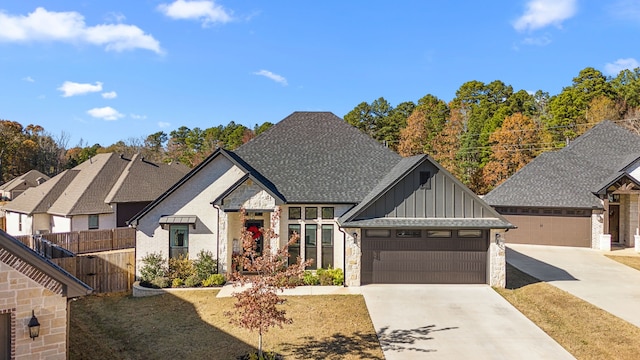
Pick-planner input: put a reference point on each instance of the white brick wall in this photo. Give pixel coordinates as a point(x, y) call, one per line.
point(597, 229)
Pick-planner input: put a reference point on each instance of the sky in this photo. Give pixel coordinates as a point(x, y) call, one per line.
point(104, 71)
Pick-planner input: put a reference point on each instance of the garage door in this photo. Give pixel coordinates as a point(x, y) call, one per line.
point(392, 256)
point(550, 230)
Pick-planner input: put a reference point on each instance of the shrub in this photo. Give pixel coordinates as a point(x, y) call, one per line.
point(310, 278)
point(192, 281)
point(325, 277)
point(160, 282)
point(328, 276)
point(177, 282)
point(338, 276)
point(154, 267)
point(180, 268)
point(205, 265)
point(214, 280)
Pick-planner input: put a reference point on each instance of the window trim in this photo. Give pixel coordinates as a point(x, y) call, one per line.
point(97, 222)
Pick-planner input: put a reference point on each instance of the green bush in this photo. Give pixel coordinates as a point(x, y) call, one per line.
point(160, 282)
point(326, 277)
point(192, 281)
point(214, 280)
point(205, 265)
point(177, 282)
point(180, 268)
point(155, 266)
point(338, 276)
point(310, 278)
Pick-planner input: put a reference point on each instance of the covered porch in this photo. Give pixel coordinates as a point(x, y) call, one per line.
point(621, 213)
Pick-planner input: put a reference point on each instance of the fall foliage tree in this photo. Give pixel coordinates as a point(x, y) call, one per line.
point(514, 145)
point(256, 307)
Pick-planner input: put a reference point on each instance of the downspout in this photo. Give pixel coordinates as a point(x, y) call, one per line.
point(217, 240)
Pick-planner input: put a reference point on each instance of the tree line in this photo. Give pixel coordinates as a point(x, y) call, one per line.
point(482, 136)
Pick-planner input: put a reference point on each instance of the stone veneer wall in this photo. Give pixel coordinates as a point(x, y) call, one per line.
point(497, 276)
point(24, 288)
point(597, 228)
point(353, 257)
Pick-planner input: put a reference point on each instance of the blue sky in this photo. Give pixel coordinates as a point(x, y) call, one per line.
point(104, 71)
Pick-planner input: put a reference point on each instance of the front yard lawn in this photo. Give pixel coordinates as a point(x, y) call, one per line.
point(631, 261)
point(586, 331)
point(191, 325)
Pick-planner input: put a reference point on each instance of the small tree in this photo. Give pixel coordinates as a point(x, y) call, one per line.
point(257, 305)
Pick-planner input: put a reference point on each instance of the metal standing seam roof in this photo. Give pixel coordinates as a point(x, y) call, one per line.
point(568, 177)
point(316, 157)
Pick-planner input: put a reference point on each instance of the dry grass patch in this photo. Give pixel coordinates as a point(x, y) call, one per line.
point(630, 261)
point(192, 325)
point(586, 331)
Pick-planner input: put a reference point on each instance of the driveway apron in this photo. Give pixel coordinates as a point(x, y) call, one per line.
point(585, 273)
point(454, 322)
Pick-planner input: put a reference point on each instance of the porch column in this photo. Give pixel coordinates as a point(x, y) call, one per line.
point(636, 234)
point(606, 215)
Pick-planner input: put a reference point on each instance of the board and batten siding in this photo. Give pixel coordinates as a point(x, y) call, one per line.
point(443, 199)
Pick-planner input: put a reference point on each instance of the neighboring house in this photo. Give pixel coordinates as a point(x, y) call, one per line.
point(101, 193)
point(357, 206)
point(18, 185)
point(30, 284)
point(583, 195)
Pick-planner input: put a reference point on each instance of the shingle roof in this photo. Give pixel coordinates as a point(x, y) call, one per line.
point(38, 200)
point(318, 157)
point(567, 177)
point(30, 178)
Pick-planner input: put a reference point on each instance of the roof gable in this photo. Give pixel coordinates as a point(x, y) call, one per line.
point(38, 199)
point(28, 179)
point(420, 193)
point(316, 157)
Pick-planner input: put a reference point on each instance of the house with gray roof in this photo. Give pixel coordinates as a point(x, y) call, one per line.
point(100, 193)
point(34, 287)
point(585, 194)
point(356, 205)
point(18, 185)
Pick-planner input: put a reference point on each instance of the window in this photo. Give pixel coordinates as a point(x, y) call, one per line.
point(407, 233)
point(295, 213)
point(310, 213)
point(470, 233)
point(178, 241)
point(294, 249)
point(327, 246)
point(94, 222)
point(5, 335)
point(327, 213)
point(439, 233)
point(425, 180)
point(378, 233)
point(310, 244)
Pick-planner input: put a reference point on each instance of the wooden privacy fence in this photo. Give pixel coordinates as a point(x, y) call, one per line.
point(89, 241)
point(112, 271)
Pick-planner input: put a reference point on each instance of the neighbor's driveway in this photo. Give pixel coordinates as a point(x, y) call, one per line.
point(585, 273)
point(454, 322)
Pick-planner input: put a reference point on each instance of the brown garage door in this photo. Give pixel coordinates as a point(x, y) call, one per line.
point(550, 230)
point(425, 259)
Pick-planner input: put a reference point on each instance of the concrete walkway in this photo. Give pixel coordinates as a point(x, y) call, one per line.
point(585, 273)
point(229, 289)
point(454, 322)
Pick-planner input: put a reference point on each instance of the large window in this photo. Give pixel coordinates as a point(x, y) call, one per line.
point(94, 222)
point(327, 213)
point(295, 213)
point(178, 241)
point(310, 213)
point(294, 249)
point(327, 246)
point(310, 244)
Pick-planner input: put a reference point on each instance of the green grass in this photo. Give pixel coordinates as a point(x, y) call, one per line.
point(192, 325)
point(630, 261)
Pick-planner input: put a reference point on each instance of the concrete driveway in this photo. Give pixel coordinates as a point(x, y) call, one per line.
point(453, 322)
point(585, 273)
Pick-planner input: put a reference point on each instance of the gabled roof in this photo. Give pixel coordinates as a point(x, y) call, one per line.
point(402, 169)
point(567, 177)
point(29, 179)
point(249, 176)
point(316, 157)
point(72, 287)
point(602, 188)
point(90, 187)
point(235, 159)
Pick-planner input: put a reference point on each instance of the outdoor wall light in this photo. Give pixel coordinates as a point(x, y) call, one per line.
point(355, 235)
point(34, 326)
point(499, 240)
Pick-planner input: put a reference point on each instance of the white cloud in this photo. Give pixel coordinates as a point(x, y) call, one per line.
point(70, 88)
point(275, 77)
point(164, 124)
point(106, 113)
point(538, 41)
point(43, 25)
point(542, 13)
point(138, 117)
point(109, 95)
point(615, 67)
point(28, 79)
point(208, 12)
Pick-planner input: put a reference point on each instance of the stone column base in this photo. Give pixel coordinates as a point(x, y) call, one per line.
point(636, 240)
point(605, 242)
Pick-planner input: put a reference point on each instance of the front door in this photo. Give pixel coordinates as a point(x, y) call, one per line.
point(254, 227)
point(614, 223)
